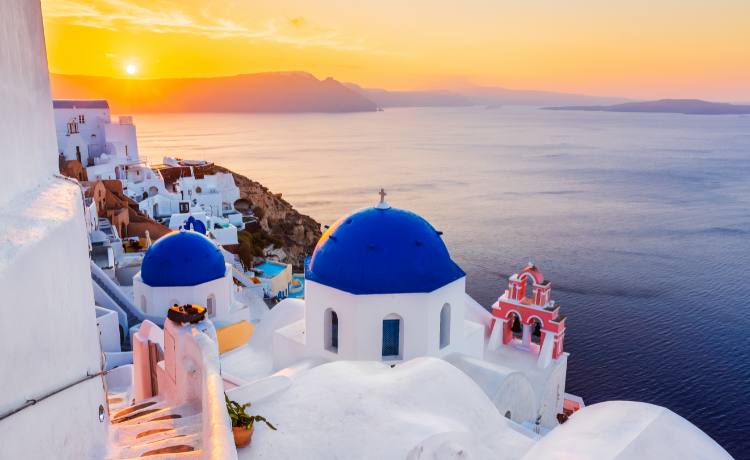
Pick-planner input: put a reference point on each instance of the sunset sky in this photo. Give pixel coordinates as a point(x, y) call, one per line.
point(634, 48)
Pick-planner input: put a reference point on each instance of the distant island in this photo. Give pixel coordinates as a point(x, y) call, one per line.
point(298, 92)
point(469, 95)
point(260, 92)
point(288, 92)
point(682, 106)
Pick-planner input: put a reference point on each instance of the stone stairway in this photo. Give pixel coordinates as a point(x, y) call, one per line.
point(153, 429)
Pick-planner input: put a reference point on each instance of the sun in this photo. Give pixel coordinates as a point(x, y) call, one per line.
point(131, 69)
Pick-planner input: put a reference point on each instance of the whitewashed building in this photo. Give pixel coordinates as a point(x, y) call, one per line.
point(86, 133)
point(382, 286)
point(185, 267)
point(213, 195)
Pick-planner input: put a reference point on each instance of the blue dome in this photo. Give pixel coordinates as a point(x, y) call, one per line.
point(182, 258)
point(382, 251)
point(194, 224)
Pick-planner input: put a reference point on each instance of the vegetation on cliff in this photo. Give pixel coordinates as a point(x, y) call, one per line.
point(279, 224)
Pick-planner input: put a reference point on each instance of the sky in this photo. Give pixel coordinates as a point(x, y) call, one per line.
point(636, 48)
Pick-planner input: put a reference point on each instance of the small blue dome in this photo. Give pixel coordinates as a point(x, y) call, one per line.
point(194, 224)
point(182, 258)
point(382, 251)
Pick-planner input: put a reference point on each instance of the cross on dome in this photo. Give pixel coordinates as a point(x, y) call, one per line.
point(383, 204)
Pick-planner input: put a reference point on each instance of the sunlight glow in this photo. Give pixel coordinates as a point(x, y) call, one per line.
point(678, 49)
point(131, 69)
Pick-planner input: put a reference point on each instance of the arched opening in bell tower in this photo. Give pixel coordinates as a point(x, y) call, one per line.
point(516, 328)
point(536, 330)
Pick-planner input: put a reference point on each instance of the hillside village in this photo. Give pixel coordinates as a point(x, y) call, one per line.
point(145, 200)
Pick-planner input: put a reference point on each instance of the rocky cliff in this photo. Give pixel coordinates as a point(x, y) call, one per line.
point(280, 224)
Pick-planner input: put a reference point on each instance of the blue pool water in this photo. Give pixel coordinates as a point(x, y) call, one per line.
point(640, 221)
point(297, 287)
point(270, 269)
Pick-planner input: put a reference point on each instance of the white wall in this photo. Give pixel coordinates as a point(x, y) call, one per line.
point(552, 395)
point(63, 427)
point(73, 144)
point(109, 331)
point(360, 319)
point(159, 299)
point(101, 172)
point(44, 267)
point(122, 135)
point(26, 123)
point(91, 131)
point(508, 389)
point(54, 341)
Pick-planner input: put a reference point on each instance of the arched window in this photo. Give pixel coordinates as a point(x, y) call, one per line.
point(445, 326)
point(393, 337)
point(331, 330)
point(211, 305)
point(536, 331)
point(515, 326)
point(530, 287)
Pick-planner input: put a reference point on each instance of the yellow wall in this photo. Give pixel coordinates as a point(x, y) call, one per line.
point(235, 335)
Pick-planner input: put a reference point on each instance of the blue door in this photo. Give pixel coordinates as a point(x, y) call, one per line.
point(391, 328)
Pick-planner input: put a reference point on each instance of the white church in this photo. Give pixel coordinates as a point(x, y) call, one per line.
point(381, 286)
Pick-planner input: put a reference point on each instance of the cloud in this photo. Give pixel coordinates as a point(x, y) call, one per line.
point(161, 16)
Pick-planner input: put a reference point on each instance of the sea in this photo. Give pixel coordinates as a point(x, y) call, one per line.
point(641, 222)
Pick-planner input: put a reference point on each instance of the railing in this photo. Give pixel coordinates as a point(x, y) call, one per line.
point(241, 277)
point(133, 313)
point(217, 427)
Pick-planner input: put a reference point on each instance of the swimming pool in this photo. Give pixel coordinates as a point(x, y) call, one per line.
point(297, 287)
point(270, 269)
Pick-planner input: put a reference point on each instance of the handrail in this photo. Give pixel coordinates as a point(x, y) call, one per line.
point(216, 424)
point(242, 278)
point(33, 401)
point(134, 314)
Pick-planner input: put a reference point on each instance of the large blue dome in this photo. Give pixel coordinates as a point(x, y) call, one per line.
point(382, 250)
point(183, 258)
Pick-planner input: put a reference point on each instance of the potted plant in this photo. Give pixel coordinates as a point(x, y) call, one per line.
point(242, 422)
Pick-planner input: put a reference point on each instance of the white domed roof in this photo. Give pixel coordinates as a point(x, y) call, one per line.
point(625, 430)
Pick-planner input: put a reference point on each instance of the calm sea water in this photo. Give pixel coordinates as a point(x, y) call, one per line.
point(640, 221)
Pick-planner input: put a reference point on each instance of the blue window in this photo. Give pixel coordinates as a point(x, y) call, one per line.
point(391, 337)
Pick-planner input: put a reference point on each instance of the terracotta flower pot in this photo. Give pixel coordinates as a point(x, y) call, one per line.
point(242, 436)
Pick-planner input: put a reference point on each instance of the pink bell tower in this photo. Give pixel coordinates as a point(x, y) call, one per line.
point(525, 317)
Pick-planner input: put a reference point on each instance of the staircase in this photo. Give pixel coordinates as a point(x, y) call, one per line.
point(242, 277)
point(133, 313)
point(155, 430)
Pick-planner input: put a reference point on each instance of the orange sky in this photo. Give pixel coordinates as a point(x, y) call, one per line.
point(635, 48)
